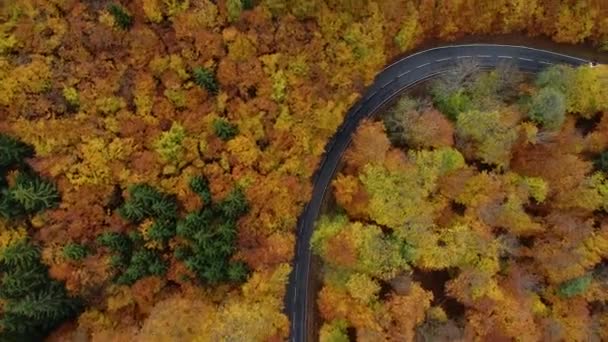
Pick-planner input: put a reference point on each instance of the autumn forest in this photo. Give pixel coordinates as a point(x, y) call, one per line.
point(156, 154)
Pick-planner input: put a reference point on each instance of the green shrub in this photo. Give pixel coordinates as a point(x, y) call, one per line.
point(74, 251)
point(205, 79)
point(122, 18)
point(224, 129)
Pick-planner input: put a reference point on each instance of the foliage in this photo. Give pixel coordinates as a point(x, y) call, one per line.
point(122, 18)
point(205, 78)
point(13, 152)
point(147, 202)
point(334, 331)
point(507, 217)
point(601, 162)
point(224, 129)
point(548, 108)
point(33, 303)
point(234, 8)
point(492, 137)
point(286, 74)
point(33, 194)
point(75, 252)
point(211, 235)
point(575, 287)
point(169, 144)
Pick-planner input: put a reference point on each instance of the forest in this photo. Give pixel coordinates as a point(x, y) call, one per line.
point(155, 156)
point(475, 209)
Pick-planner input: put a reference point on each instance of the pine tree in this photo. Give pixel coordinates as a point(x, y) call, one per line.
point(224, 129)
point(74, 251)
point(122, 18)
point(116, 242)
point(33, 303)
point(13, 152)
point(601, 162)
point(234, 205)
point(33, 193)
point(162, 230)
point(205, 79)
point(145, 201)
point(200, 185)
point(143, 263)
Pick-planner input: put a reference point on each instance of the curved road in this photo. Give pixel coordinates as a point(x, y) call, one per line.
point(390, 82)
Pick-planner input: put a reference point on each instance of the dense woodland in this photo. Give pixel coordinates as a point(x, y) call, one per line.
point(155, 154)
point(477, 212)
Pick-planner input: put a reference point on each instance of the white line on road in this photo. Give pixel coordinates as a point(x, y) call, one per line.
point(484, 56)
point(507, 57)
point(422, 65)
point(526, 59)
point(464, 57)
point(543, 62)
point(405, 73)
point(442, 59)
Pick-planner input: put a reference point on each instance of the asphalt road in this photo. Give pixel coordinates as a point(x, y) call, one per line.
point(390, 82)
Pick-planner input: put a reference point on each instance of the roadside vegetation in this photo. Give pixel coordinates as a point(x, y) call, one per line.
point(478, 211)
point(155, 154)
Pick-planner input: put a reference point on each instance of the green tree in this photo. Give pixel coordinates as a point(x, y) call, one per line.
point(211, 235)
point(205, 78)
point(123, 19)
point(74, 251)
point(13, 152)
point(334, 331)
point(143, 263)
point(33, 193)
point(34, 304)
point(116, 242)
point(224, 129)
point(559, 77)
point(601, 162)
point(548, 108)
point(200, 185)
point(491, 137)
point(145, 201)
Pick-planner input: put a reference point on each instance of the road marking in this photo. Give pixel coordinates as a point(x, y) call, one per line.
point(405, 73)
point(485, 46)
point(422, 65)
point(387, 83)
point(370, 96)
point(543, 62)
point(507, 57)
point(484, 56)
point(526, 59)
point(464, 57)
point(442, 59)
